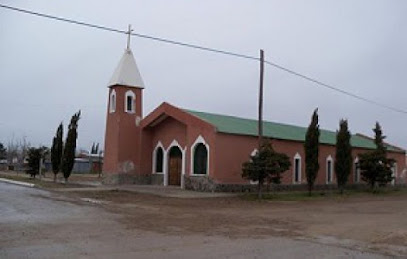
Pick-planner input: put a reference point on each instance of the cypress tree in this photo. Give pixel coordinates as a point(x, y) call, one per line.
point(375, 167)
point(33, 159)
point(343, 157)
point(266, 164)
point(68, 158)
point(311, 148)
point(3, 152)
point(56, 151)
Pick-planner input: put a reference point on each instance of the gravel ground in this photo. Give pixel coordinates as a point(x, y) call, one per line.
point(41, 224)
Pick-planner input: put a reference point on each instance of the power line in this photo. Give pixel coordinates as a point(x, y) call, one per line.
point(203, 48)
point(145, 36)
point(335, 88)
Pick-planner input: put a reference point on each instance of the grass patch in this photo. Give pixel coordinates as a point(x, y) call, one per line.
point(47, 184)
point(288, 196)
point(325, 195)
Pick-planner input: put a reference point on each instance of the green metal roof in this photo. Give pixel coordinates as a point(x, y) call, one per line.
point(241, 126)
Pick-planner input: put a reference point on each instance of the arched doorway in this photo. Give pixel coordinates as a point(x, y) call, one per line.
point(174, 166)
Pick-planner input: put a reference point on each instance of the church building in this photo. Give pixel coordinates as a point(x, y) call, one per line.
point(204, 151)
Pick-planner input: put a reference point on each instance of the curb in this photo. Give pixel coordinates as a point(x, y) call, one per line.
point(17, 182)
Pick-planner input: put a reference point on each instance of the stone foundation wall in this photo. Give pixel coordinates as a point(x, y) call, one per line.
point(200, 183)
point(157, 179)
point(205, 184)
point(113, 179)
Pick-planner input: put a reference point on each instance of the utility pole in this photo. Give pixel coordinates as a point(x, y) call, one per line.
point(260, 126)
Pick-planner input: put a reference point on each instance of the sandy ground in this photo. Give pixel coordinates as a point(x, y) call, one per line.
point(369, 223)
point(106, 224)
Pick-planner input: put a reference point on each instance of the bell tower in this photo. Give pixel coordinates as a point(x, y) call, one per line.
point(124, 113)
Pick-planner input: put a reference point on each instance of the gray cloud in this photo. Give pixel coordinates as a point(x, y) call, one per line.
point(50, 69)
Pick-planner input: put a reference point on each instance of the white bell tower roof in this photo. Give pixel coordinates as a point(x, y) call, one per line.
point(126, 72)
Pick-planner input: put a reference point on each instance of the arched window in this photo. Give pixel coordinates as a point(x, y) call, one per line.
point(329, 170)
point(297, 169)
point(112, 101)
point(129, 102)
point(159, 160)
point(200, 159)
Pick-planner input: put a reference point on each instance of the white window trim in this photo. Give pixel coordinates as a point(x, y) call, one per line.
point(174, 143)
point(254, 152)
point(297, 156)
point(199, 140)
point(159, 145)
point(329, 159)
point(394, 173)
point(112, 105)
point(133, 106)
point(356, 171)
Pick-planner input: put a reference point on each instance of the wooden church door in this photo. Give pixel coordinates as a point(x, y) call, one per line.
point(175, 166)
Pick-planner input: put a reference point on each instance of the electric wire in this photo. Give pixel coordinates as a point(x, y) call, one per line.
point(203, 48)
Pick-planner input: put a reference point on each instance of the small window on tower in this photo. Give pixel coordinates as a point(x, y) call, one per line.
point(129, 102)
point(112, 107)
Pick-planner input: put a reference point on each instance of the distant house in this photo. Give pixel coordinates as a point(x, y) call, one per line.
point(88, 163)
point(3, 165)
point(84, 163)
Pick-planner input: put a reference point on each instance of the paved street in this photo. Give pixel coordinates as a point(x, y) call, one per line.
point(40, 224)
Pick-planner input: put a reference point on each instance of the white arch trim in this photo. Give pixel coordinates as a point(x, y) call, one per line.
point(133, 102)
point(253, 153)
point(159, 145)
point(199, 140)
point(329, 159)
point(112, 101)
point(174, 143)
point(297, 156)
point(394, 173)
point(356, 171)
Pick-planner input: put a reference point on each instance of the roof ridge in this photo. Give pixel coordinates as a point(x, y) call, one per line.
point(264, 121)
point(244, 126)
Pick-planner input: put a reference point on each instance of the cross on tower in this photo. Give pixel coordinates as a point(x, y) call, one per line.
point(128, 37)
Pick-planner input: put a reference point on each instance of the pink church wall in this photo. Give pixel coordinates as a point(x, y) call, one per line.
point(123, 136)
point(185, 133)
point(168, 131)
point(227, 152)
point(231, 151)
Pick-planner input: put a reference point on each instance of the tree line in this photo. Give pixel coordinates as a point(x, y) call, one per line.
point(267, 165)
point(62, 154)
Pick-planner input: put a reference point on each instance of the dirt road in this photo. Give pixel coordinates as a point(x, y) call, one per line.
point(373, 223)
point(41, 224)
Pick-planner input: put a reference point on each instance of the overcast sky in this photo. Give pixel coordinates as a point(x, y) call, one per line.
point(51, 69)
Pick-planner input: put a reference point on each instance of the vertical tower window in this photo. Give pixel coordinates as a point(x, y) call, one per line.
point(112, 101)
point(129, 102)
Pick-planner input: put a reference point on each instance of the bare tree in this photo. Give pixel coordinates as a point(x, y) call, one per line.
point(17, 151)
point(22, 154)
